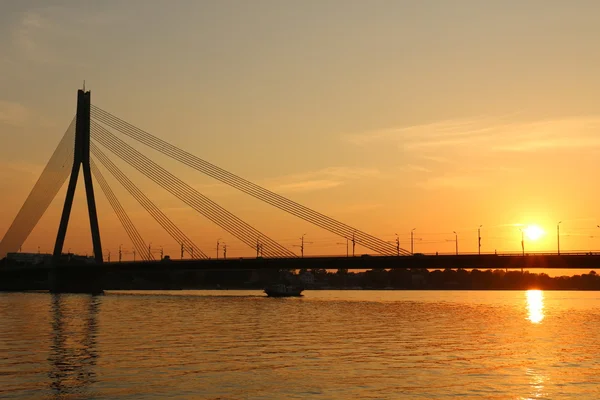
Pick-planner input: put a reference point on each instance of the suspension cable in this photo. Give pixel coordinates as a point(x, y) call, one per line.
point(187, 194)
point(46, 188)
point(131, 230)
point(239, 183)
point(148, 205)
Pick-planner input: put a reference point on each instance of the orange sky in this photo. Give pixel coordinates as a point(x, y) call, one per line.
point(439, 116)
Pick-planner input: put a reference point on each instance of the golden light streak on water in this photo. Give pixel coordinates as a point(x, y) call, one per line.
point(535, 305)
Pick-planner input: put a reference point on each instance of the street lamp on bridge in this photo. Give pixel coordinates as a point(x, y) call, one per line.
point(558, 237)
point(412, 241)
point(302, 242)
point(120, 252)
point(456, 241)
point(224, 251)
point(397, 244)
point(218, 243)
point(479, 240)
point(347, 252)
point(522, 241)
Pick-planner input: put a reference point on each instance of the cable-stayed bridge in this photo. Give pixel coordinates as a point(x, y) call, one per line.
point(95, 137)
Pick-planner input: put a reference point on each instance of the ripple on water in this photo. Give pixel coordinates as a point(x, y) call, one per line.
point(363, 345)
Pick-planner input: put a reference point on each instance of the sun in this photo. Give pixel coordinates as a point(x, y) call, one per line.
point(534, 232)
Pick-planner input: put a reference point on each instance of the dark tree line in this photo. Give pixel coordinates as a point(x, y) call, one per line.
point(453, 279)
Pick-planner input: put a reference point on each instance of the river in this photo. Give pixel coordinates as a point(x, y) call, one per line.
point(325, 345)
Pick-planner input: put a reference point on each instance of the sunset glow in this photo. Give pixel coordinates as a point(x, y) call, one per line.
point(459, 139)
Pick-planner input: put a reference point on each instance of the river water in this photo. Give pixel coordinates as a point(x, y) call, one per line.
point(325, 345)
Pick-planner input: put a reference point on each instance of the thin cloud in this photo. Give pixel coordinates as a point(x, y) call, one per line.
point(552, 143)
point(33, 37)
point(490, 134)
point(13, 114)
point(308, 186)
point(44, 35)
point(347, 172)
point(17, 115)
point(460, 127)
point(359, 207)
point(417, 168)
point(435, 159)
point(453, 182)
point(319, 180)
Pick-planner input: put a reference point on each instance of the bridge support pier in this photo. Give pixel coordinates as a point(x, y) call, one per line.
point(76, 278)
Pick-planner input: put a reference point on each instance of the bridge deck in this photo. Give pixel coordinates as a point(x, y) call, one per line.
point(484, 261)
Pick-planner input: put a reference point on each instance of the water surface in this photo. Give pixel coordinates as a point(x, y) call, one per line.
point(326, 345)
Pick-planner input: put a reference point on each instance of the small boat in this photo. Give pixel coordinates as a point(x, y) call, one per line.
point(282, 290)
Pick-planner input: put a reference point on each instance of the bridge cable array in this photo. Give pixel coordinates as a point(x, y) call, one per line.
point(245, 186)
point(131, 230)
point(168, 225)
point(202, 204)
point(52, 178)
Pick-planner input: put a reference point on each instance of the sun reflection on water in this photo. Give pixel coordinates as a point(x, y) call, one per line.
point(537, 381)
point(535, 305)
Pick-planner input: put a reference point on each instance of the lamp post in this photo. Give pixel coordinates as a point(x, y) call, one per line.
point(479, 240)
point(412, 241)
point(456, 241)
point(397, 244)
point(522, 241)
point(347, 254)
point(224, 251)
point(597, 226)
point(558, 237)
point(218, 243)
point(302, 245)
point(120, 252)
point(522, 246)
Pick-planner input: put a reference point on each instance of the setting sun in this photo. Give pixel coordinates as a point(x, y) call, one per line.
point(534, 232)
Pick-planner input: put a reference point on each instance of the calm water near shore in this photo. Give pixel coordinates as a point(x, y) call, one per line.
point(325, 345)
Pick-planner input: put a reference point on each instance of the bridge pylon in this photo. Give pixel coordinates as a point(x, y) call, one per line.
point(81, 159)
